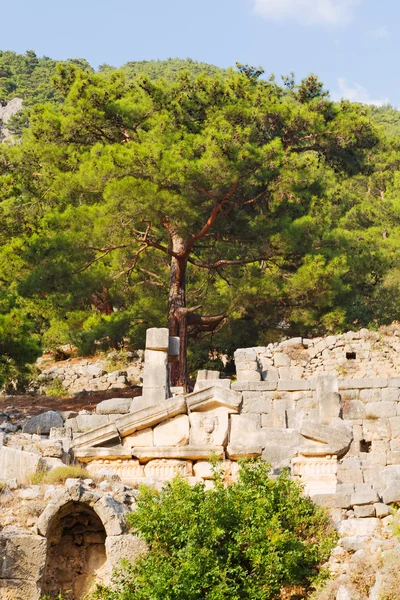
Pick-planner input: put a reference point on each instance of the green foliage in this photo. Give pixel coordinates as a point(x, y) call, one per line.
point(55, 388)
point(250, 540)
point(155, 144)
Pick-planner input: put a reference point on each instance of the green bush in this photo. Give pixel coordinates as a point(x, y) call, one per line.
point(55, 388)
point(255, 539)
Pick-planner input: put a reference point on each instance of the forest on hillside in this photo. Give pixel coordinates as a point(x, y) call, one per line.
point(234, 208)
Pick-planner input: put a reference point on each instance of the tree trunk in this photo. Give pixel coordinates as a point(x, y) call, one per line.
point(177, 310)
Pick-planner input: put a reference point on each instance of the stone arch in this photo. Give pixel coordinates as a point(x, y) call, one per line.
point(78, 525)
point(76, 553)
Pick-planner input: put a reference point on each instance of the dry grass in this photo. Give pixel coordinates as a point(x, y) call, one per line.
point(58, 475)
point(297, 352)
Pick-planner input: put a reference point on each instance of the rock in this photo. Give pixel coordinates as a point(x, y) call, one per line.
point(382, 510)
point(85, 422)
point(114, 406)
point(51, 448)
point(18, 464)
point(31, 492)
point(391, 493)
point(362, 512)
point(112, 515)
point(364, 497)
point(41, 424)
point(172, 432)
point(122, 547)
point(23, 557)
point(358, 527)
point(344, 593)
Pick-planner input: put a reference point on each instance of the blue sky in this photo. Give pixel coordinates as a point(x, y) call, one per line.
point(350, 44)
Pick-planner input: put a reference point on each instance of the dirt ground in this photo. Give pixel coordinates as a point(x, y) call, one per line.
point(33, 405)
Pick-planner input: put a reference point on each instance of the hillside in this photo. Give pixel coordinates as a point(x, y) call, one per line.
point(30, 77)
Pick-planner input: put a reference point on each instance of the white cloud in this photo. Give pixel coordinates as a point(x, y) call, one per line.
point(355, 93)
point(333, 12)
point(380, 33)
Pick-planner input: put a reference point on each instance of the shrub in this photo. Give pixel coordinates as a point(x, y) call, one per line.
point(255, 539)
point(55, 388)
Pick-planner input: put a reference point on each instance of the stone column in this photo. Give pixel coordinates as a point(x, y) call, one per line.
point(160, 351)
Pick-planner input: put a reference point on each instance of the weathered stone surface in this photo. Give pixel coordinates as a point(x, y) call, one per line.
point(209, 428)
point(344, 593)
point(358, 527)
point(391, 493)
point(86, 422)
point(144, 437)
point(293, 385)
point(167, 469)
point(41, 424)
point(112, 515)
point(328, 397)
point(84, 454)
point(122, 547)
point(157, 338)
point(280, 446)
point(382, 510)
point(214, 397)
point(150, 416)
point(364, 511)
point(204, 469)
point(364, 497)
point(51, 448)
point(19, 589)
point(23, 556)
point(354, 409)
point(18, 464)
point(183, 452)
point(122, 469)
point(114, 406)
point(247, 375)
point(244, 432)
point(236, 452)
point(172, 432)
point(389, 474)
point(336, 438)
point(100, 435)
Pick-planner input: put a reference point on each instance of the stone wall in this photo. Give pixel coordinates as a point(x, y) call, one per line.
point(355, 354)
point(327, 409)
point(77, 376)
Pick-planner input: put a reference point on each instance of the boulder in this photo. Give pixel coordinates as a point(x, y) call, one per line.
point(41, 424)
point(18, 464)
point(114, 406)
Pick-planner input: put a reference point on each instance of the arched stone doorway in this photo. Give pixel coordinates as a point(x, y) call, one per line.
point(76, 554)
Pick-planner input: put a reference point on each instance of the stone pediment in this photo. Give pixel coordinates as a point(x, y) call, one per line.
point(214, 397)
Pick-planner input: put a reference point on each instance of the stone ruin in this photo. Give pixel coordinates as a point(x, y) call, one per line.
point(327, 409)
